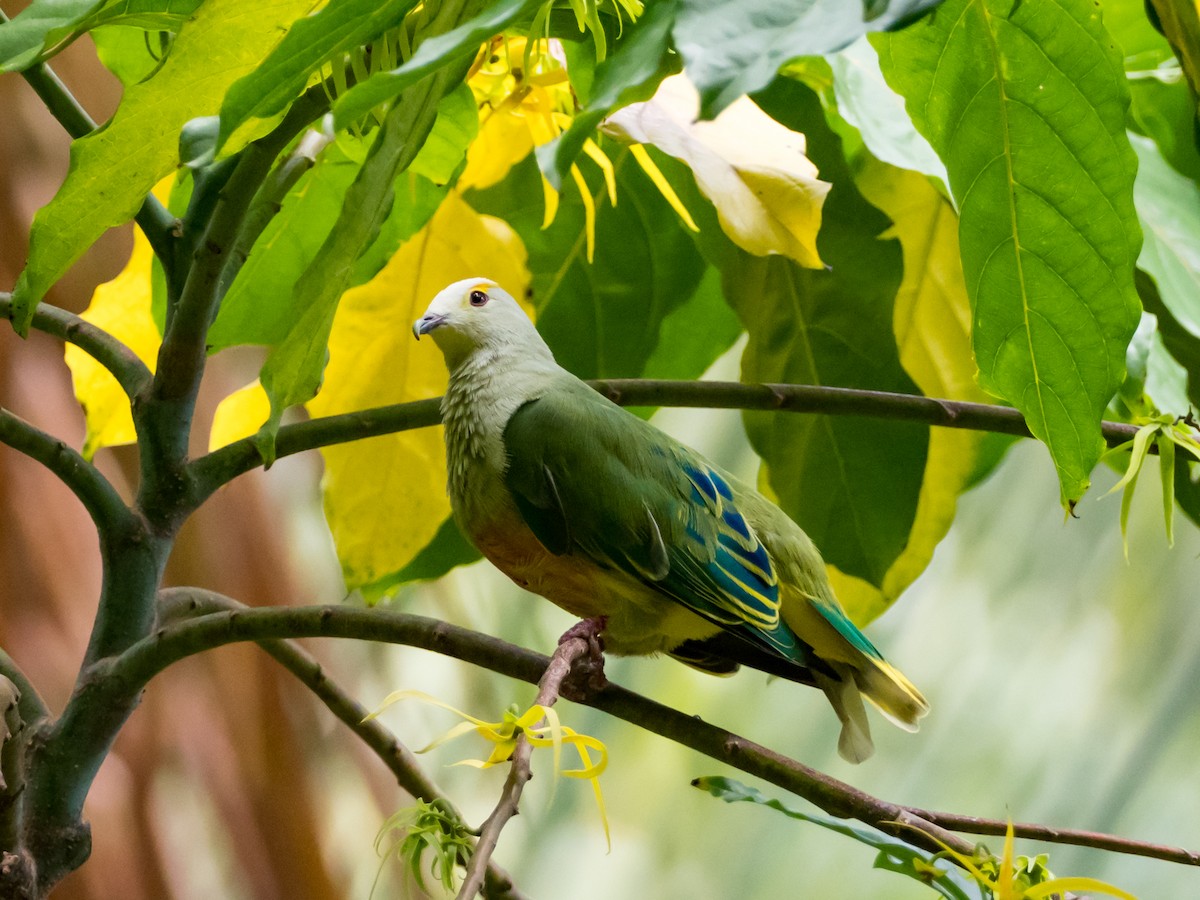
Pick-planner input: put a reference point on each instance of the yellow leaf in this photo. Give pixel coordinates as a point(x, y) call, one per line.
point(122, 308)
point(503, 141)
point(239, 415)
point(932, 322)
point(753, 169)
point(385, 497)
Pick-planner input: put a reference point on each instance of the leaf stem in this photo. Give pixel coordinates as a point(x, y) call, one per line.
point(175, 641)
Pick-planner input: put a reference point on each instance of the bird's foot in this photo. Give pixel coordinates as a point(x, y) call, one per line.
point(587, 670)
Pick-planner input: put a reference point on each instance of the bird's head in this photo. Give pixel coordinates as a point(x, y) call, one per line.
point(473, 314)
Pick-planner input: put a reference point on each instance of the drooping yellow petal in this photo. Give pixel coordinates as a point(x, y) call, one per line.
point(592, 149)
point(122, 308)
point(589, 211)
point(643, 159)
point(385, 497)
point(239, 415)
point(765, 190)
point(932, 322)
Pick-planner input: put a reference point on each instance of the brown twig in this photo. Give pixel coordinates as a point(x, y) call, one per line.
point(519, 773)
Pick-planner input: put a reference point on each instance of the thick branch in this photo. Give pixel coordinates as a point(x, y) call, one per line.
point(173, 642)
point(131, 373)
point(182, 603)
point(94, 491)
point(221, 466)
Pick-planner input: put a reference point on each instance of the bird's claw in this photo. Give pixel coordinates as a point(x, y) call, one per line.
point(587, 671)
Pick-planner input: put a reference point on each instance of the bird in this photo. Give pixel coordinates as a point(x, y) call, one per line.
point(597, 510)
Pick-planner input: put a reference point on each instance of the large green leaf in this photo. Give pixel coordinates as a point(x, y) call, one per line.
point(1168, 205)
point(865, 101)
point(259, 306)
point(47, 26)
point(631, 73)
point(852, 484)
point(645, 267)
point(113, 169)
point(732, 49)
point(433, 53)
point(341, 26)
point(1026, 104)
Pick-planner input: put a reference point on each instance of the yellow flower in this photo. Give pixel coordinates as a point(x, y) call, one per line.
point(503, 736)
point(526, 101)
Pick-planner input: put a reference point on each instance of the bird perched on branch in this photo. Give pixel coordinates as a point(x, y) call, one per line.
point(595, 509)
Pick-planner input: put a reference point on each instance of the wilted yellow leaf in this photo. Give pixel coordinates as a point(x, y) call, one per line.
point(754, 170)
point(122, 308)
point(239, 415)
point(932, 322)
point(385, 497)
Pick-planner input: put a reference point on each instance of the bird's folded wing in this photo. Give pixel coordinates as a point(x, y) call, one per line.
point(591, 479)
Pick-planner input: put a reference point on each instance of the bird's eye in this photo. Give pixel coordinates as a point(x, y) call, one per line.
point(478, 298)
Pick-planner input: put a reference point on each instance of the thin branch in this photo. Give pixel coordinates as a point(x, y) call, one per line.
point(183, 603)
point(223, 465)
point(177, 640)
point(131, 373)
point(94, 491)
point(520, 770)
point(269, 199)
point(33, 708)
point(155, 220)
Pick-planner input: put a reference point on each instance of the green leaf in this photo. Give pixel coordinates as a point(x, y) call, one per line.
point(446, 147)
point(23, 39)
point(129, 52)
point(630, 74)
point(448, 550)
point(113, 169)
point(1168, 205)
point(433, 53)
point(259, 306)
point(646, 266)
point(865, 101)
point(731, 49)
point(852, 484)
point(1174, 349)
point(695, 333)
point(45, 27)
point(1026, 104)
point(310, 43)
point(895, 855)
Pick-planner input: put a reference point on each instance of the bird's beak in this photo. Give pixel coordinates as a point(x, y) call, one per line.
point(427, 323)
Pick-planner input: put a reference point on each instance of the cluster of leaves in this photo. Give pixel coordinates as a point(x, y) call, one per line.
point(953, 875)
point(945, 208)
